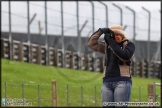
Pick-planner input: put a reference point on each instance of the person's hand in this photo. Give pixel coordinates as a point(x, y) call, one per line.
point(109, 37)
point(105, 30)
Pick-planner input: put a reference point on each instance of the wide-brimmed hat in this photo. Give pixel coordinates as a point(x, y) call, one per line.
point(117, 29)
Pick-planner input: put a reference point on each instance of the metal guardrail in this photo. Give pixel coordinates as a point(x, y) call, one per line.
point(71, 59)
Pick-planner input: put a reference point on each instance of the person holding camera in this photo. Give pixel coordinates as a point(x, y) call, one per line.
point(118, 50)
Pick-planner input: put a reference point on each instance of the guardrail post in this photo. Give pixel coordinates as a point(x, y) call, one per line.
point(2, 48)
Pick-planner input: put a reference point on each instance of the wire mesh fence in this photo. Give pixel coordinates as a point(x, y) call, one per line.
point(79, 19)
point(67, 95)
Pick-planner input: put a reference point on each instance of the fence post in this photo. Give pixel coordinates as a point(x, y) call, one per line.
point(147, 69)
point(71, 60)
point(39, 54)
point(86, 62)
point(159, 71)
point(55, 57)
point(5, 92)
point(151, 93)
point(31, 53)
point(139, 94)
point(142, 69)
point(67, 92)
point(134, 72)
point(23, 93)
point(20, 48)
point(10, 34)
point(95, 95)
point(2, 48)
point(81, 96)
point(54, 94)
point(38, 95)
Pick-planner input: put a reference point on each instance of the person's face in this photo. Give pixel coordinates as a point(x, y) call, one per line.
point(118, 38)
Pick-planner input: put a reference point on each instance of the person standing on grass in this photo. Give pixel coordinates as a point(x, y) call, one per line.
point(118, 50)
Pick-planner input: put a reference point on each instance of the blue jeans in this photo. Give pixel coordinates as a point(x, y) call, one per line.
point(119, 91)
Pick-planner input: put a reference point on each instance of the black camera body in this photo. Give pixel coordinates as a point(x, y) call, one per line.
point(109, 35)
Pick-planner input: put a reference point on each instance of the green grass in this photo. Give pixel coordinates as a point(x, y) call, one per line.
point(14, 74)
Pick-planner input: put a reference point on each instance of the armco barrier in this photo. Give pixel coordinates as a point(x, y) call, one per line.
point(70, 59)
